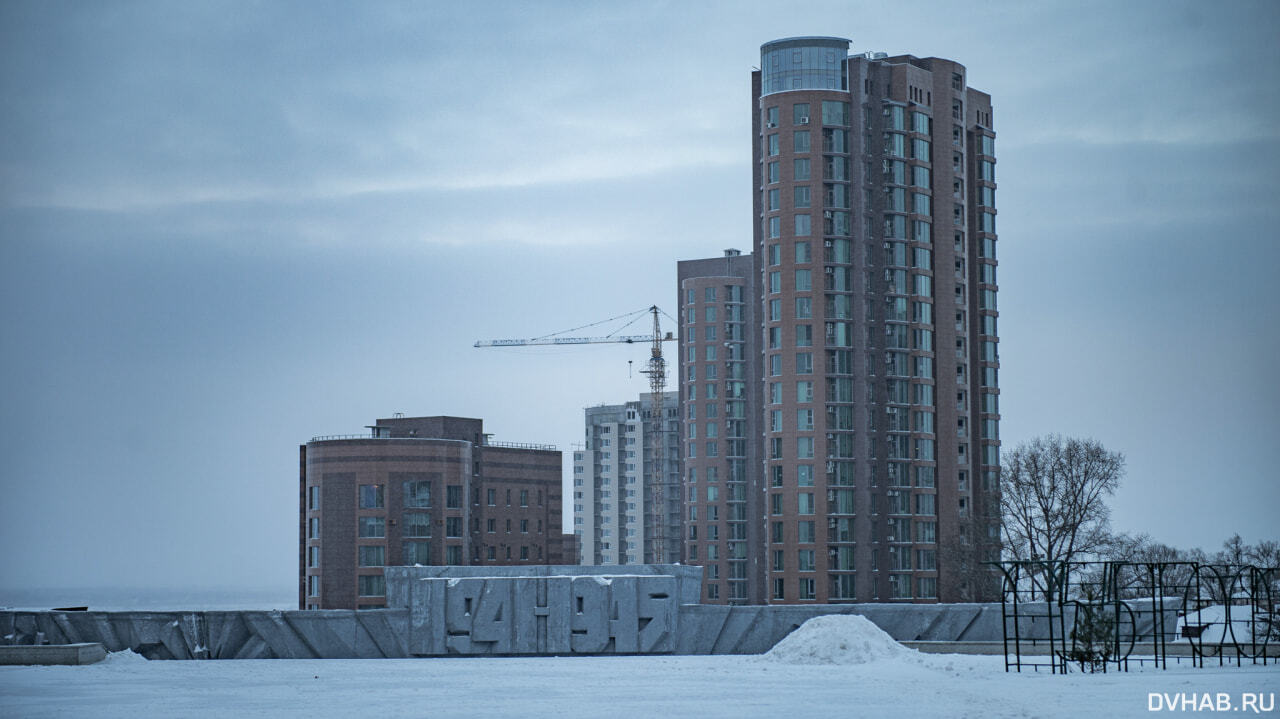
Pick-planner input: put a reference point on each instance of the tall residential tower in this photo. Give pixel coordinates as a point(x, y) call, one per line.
point(874, 219)
point(719, 370)
point(613, 481)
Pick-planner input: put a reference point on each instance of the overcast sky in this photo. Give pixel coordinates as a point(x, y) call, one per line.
point(228, 227)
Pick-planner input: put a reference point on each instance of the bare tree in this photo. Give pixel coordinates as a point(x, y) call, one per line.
point(1234, 551)
point(1053, 494)
point(1265, 554)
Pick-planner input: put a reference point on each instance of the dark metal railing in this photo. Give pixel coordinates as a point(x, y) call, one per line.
point(1099, 616)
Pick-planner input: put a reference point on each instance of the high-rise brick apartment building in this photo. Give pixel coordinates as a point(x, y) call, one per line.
point(420, 490)
point(876, 334)
point(613, 477)
point(719, 373)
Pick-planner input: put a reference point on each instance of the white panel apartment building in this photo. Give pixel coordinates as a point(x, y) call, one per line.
point(612, 485)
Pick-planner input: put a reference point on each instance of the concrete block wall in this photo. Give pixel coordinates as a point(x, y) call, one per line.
point(437, 611)
point(329, 634)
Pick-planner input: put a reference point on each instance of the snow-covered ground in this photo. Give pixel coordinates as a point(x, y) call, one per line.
point(1240, 630)
point(824, 670)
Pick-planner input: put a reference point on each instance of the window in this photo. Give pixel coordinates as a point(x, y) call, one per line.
point(453, 555)
point(802, 198)
point(895, 199)
point(804, 280)
point(453, 497)
point(417, 525)
point(835, 140)
point(800, 113)
point(371, 496)
point(373, 556)
point(775, 227)
point(775, 310)
point(922, 258)
point(803, 225)
point(804, 503)
point(806, 532)
point(987, 196)
point(926, 532)
point(801, 140)
point(835, 167)
point(373, 527)
point(313, 497)
point(313, 528)
point(524, 498)
point(835, 113)
point(926, 504)
point(775, 199)
point(773, 144)
point(804, 363)
point(524, 526)
point(804, 391)
point(313, 556)
point(453, 526)
point(805, 560)
point(804, 420)
point(895, 144)
point(920, 176)
point(804, 335)
point(804, 308)
point(804, 252)
point(807, 588)
point(774, 174)
point(928, 587)
point(374, 585)
point(802, 171)
point(920, 123)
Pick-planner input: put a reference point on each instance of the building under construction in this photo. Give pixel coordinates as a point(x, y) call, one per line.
point(616, 482)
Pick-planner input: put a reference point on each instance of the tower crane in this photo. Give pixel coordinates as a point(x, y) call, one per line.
point(656, 369)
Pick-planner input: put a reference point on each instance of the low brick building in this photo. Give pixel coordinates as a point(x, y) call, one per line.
point(420, 490)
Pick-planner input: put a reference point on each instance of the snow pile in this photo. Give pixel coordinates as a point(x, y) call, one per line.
point(124, 659)
point(837, 639)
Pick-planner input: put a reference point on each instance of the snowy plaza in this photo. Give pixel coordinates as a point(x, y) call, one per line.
point(843, 668)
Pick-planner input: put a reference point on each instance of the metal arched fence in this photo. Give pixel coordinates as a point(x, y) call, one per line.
point(1101, 616)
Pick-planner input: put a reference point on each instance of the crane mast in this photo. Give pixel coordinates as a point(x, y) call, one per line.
point(657, 371)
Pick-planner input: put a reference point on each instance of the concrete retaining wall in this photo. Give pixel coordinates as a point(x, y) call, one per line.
point(436, 611)
point(339, 634)
point(48, 654)
point(330, 634)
